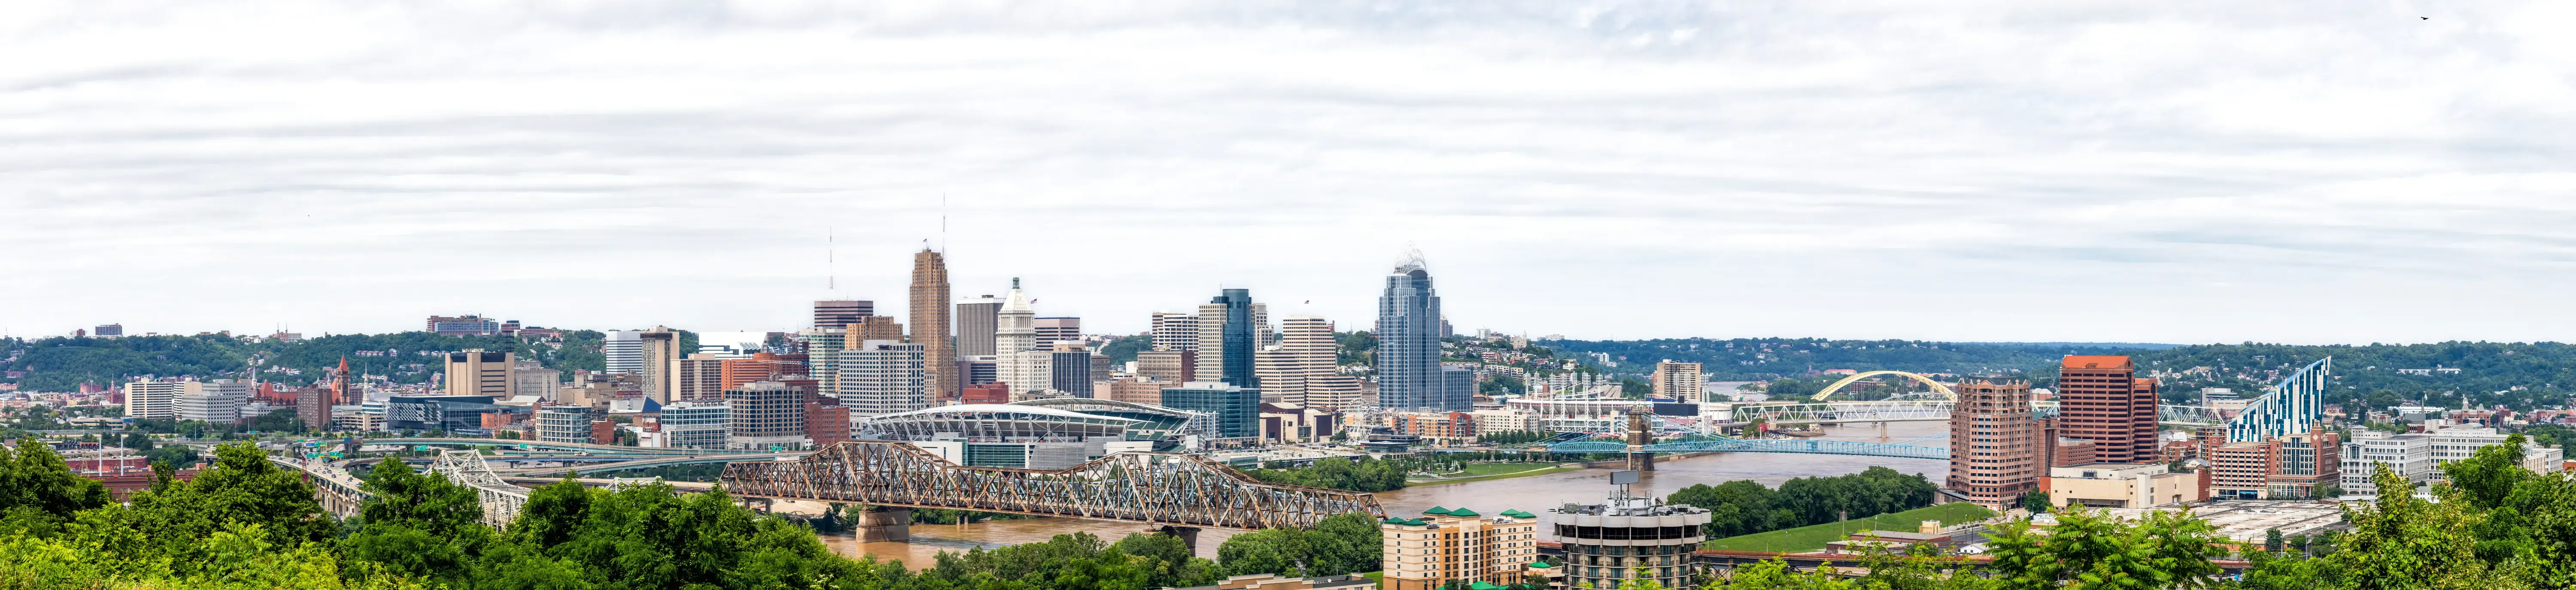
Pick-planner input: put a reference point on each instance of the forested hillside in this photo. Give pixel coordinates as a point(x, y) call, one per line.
point(2519, 375)
point(62, 364)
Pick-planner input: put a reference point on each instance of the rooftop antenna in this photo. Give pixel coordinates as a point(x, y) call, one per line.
point(831, 268)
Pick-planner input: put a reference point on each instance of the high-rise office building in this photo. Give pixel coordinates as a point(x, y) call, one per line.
point(1176, 331)
point(930, 328)
point(624, 350)
point(659, 353)
point(1229, 337)
point(841, 312)
point(475, 371)
point(766, 414)
point(1996, 451)
point(1058, 329)
point(1167, 366)
point(823, 348)
point(1678, 382)
point(884, 377)
point(1017, 361)
point(1069, 371)
point(762, 366)
point(2101, 399)
point(1302, 365)
point(1237, 409)
point(701, 376)
point(874, 328)
point(697, 424)
point(976, 323)
point(528, 377)
point(1408, 349)
point(152, 399)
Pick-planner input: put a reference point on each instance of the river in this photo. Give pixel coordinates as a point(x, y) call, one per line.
point(1535, 494)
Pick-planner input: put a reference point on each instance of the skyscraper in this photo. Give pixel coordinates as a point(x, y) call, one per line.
point(873, 328)
point(1016, 360)
point(1997, 453)
point(1176, 331)
point(930, 300)
point(2101, 399)
point(1300, 369)
point(836, 313)
point(1238, 337)
point(474, 371)
point(1058, 329)
point(975, 325)
point(658, 355)
point(884, 377)
point(1679, 382)
point(1408, 349)
point(625, 352)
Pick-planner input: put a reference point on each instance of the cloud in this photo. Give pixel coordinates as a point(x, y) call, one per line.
point(1996, 171)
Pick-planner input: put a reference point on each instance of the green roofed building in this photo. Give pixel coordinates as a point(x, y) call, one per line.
point(1457, 544)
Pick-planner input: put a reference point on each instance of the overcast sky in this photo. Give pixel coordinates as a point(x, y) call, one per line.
point(2034, 171)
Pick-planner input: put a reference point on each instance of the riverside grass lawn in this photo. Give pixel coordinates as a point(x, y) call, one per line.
point(1814, 537)
point(1485, 471)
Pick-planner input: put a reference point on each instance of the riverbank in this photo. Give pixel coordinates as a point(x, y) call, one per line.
point(1493, 471)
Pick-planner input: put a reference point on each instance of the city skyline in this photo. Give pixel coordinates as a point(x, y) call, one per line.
point(1790, 170)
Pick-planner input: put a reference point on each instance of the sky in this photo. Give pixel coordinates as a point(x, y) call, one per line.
point(2182, 172)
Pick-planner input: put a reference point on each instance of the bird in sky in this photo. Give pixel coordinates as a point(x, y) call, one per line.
point(2423, 18)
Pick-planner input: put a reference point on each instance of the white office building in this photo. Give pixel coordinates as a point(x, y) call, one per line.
point(153, 399)
point(697, 424)
point(566, 424)
point(2409, 455)
point(208, 407)
point(625, 351)
point(884, 377)
point(1016, 360)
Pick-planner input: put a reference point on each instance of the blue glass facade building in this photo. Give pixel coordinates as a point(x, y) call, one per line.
point(2293, 406)
point(1237, 338)
point(1237, 409)
point(1408, 345)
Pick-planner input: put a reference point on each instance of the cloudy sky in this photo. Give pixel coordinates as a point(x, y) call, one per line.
point(2034, 171)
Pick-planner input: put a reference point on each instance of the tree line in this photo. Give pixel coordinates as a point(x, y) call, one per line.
point(1744, 507)
point(249, 523)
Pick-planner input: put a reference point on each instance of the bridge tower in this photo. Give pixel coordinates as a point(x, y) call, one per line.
point(1640, 434)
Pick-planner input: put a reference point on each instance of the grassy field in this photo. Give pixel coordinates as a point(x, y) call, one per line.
point(1811, 538)
point(1485, 471)
point(1379, 577)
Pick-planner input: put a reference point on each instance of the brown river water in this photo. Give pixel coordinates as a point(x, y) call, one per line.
point(1534, 494)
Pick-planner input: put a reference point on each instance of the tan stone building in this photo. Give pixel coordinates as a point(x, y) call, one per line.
point(1679, 381)
point(474, 371)
point(2121, 485)
point(1457, 544)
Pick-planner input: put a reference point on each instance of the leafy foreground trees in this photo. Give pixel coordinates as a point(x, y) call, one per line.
point(247, 523)
point(1744, 507)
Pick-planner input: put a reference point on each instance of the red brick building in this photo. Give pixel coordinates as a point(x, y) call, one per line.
point(1997, 452)
point(2101, 399)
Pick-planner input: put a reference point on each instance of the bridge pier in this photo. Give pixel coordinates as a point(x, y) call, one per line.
point(1189, 536)
point(881, 523)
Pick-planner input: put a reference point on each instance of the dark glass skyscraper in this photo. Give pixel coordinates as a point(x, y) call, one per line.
point(1408, 344)
point(1239, 338)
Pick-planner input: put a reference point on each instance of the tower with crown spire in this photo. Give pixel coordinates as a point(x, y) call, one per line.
point(340, 385)
point(930, 300)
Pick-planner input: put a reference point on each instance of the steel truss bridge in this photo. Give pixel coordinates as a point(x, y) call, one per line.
point(1845, 412)
point(501, 501)
point(1169, 489)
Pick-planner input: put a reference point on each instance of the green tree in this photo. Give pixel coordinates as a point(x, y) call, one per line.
point(2406, 542)
point(241, 488)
